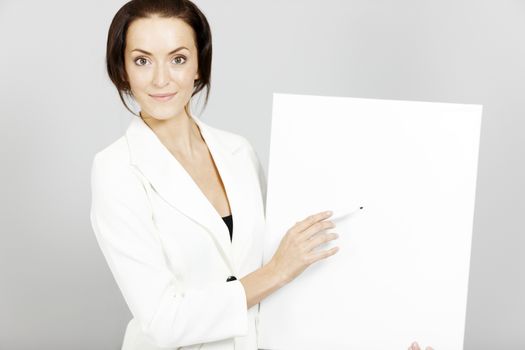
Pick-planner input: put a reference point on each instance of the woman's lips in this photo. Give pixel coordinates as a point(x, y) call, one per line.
point(163, 97)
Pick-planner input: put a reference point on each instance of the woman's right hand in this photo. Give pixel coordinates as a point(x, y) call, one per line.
point(296, 249)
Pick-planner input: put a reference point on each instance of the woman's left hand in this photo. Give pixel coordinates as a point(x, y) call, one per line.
point(415, 346)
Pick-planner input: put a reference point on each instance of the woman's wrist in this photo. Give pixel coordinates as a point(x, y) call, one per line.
point(276, 277)
point(261, 283)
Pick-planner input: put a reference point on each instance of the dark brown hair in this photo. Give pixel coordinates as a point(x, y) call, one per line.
point(135, 9)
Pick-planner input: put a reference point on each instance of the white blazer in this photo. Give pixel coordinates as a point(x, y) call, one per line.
point(168, 248)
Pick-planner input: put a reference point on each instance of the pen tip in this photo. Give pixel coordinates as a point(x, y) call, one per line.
point(360, 207)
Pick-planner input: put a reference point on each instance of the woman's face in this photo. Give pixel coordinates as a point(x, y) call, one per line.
point(161, 58)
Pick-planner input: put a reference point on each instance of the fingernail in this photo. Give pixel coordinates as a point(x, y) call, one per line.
point(328, 212)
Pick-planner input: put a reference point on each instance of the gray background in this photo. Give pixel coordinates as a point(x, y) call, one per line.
point(59, 108)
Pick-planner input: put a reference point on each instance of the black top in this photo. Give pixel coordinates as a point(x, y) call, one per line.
point(228, 220)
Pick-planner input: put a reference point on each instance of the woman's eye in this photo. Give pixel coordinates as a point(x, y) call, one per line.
point(180, 59)
point(140, 59)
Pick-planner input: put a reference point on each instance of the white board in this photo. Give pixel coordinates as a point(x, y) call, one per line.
point(401, 273)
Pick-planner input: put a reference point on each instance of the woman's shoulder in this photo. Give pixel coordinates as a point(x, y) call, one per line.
point(115, 154)
point(111, 168)
point(235, 142)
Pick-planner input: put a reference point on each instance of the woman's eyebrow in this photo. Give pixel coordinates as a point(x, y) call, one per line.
point(149, 53)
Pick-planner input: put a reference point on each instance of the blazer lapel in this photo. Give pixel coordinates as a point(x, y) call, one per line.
point(232, 169)
point(173, 183)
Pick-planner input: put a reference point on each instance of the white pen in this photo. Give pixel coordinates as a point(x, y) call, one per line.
point(346, 213)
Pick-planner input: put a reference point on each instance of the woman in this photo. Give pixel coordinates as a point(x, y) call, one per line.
point(177, 205)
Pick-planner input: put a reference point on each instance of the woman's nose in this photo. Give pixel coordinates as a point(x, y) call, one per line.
point(161, 76)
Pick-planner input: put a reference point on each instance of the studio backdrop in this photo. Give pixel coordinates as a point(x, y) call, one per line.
point(59, 108)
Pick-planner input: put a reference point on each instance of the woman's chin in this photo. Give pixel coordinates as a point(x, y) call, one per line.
point(162, 113)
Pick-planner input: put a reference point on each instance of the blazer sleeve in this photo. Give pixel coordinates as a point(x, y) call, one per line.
point(121, 218)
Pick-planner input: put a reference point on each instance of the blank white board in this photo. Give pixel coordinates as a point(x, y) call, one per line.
point(401, 273)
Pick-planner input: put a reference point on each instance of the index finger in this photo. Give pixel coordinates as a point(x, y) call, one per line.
point(312, 219)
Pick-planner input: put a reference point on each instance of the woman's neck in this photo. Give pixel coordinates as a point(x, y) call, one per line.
point(179, 134)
